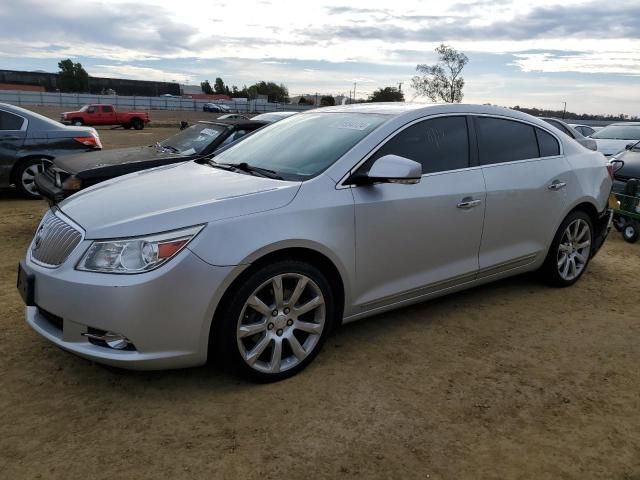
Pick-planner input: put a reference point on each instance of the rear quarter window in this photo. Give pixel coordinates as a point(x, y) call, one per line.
point(9, 121)
point(549, 146)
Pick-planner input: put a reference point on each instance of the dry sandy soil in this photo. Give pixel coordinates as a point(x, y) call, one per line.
point(511, 380)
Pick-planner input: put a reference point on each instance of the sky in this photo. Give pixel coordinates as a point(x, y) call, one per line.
point(535, 53)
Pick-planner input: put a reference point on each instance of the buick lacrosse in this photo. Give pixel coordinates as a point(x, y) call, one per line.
point(253, 256)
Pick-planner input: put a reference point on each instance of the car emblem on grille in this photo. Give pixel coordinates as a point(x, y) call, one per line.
point(38, 238)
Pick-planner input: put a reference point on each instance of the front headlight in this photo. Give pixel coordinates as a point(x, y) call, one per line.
point(136, 255)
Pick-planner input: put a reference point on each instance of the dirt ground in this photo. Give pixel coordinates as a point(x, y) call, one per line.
point(510, 380)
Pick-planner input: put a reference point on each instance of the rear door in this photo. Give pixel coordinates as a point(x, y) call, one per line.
point(13, 130)
point(525, 175)
point(412, 240)
point(107, 115)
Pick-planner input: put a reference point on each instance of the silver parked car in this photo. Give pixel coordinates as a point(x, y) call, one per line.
point(573, 133)
point(325, 217)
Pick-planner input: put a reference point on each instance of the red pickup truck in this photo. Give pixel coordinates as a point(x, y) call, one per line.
point(100, 114)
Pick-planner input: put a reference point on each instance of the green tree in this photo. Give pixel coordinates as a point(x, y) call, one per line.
point(72, 77)
point(327, 101)
point(206, 87)
point(387, 94)
point(219, 86)
point(273, 91)
point(442, 81)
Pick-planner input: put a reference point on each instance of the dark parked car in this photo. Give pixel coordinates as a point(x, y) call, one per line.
point(630, 169)
point(71, 173)
point(29, 141)
point(577, 136)
point(215, 107)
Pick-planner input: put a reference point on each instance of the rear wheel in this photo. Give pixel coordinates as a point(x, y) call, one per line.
point(631, 232)
point(26, 174)
point(570, 251)
point(276, 322)
point(137, 124)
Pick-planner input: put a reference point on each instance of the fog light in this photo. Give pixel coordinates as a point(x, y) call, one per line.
point(115, 340)
point(109, 339)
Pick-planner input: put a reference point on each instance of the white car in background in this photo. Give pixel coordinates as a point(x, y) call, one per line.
point(614, 138)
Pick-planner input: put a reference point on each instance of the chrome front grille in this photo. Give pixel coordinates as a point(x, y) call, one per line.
point(54, 241)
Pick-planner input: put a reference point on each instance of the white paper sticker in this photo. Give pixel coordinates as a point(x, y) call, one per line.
point(208, 131)
point(191, 151)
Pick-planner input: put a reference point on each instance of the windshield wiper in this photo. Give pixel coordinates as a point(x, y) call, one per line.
point(245, 167)
point(170, 148)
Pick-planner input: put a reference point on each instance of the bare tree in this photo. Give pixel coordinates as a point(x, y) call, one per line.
point(442, 81)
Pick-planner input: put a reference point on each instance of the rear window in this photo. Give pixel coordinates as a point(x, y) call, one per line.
point(501, 141)
point(9, 121)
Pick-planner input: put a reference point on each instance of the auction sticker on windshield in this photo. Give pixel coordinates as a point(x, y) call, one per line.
point(353, 125)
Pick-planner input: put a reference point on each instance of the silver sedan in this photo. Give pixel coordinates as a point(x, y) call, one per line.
point(325, 217)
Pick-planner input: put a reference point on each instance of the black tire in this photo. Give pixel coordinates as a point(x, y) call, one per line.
point(619, 222)
point(78, 122)
point(137, 124)
point(550, 271)
point(631, 231)
point(224, 343)
point(24, 183)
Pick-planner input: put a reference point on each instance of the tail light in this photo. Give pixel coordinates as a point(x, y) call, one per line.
point(610, 170)
point(91, 141)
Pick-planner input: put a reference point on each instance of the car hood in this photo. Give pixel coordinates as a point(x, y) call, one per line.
point(172, 197)
point(78, 163)
point(611, 147)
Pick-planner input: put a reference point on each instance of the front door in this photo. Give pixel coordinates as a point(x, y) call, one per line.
point(416, 239)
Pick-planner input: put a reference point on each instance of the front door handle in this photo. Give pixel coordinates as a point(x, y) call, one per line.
point(557, 185)
point(468, 202)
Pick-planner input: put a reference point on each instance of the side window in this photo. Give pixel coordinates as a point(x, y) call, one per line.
point(233, 137)
point(107, 109)
point(439, 144)
point(9, 121)
point(502, 140)
point(547, 143)
point(91, 109)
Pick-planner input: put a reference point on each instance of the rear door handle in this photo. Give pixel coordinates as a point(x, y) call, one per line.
point(468, 202)
point(557, 185)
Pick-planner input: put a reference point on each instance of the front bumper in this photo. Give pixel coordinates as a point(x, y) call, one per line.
point(49, 191)
point(165, 313)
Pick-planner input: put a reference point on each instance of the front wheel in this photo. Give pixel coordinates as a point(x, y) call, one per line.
point(276, 322)
point(570, 251)
point(78, 122)
point(631, 232)
point(137, 124)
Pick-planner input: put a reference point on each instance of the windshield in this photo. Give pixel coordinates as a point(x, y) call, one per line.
point(193, 140)
point(618, 132)
point(302, 146)
point(84, 108)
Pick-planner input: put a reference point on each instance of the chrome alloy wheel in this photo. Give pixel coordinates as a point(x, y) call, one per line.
point(29, 176)
point(574, 249)
point(281, 323)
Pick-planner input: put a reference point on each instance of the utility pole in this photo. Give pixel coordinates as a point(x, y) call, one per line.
point(565, 110)
point(400, 86)
point(354, 92)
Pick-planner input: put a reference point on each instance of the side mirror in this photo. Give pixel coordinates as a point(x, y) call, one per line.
point(390, 169)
